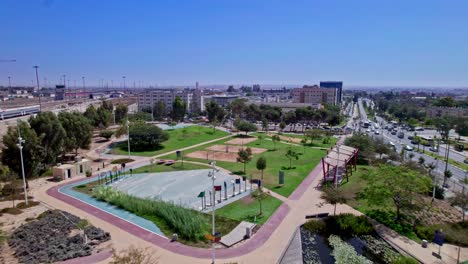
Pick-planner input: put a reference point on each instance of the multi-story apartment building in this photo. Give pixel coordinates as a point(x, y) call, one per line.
point(193, 98)
point(315, 95)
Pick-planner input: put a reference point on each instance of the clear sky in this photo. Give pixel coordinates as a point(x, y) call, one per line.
point(372, 42)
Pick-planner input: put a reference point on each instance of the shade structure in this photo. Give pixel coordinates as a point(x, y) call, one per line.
point(336, 163)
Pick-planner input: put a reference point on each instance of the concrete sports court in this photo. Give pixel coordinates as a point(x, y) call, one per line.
point(182, 187)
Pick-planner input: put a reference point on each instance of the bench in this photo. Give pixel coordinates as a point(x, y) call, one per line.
point(320, 215)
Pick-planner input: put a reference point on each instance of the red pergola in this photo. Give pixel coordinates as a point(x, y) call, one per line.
point(337, 163)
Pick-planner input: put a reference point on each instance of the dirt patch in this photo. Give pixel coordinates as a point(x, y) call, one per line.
point(247, 200)
point(286, 138)
point(233, 149)
point(241, 141)
point(213, 155)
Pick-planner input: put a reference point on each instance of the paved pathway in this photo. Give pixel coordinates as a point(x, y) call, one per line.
point(266, 246)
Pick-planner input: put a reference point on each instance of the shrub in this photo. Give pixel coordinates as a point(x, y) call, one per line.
point(89, 173)
point(188, 223)
point(405, 260)
point(389, 219)
point(315, 226)
point(107, 134)
point(120, 161)
point(348, 224)
point(22, 205)
point(133, 256)
point(454, 233)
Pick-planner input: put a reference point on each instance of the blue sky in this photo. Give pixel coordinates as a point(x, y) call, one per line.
point(372, 42)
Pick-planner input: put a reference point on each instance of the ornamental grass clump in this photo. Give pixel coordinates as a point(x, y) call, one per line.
point(188, 223)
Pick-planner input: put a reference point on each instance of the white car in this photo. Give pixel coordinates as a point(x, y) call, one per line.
point(368, 130)
point(377, 132)
point(392, 144)
point(408, 148)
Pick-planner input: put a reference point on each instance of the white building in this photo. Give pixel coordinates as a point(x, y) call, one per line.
point(167, 96)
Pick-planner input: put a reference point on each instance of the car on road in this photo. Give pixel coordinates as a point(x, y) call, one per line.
point(410, 137)
point(419, 129)
point(401, 135)
point(434, 149)
point(377, 132)
point(466, 161)
point(414, 142)
point(408, 148)
point(368, 130)
point(392, 144)
point(393, 132)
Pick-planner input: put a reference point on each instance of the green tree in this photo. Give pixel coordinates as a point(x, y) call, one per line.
point(445, 102)
point(261, 164)
point(291, 154)
point(421, 160)
point(107, 104)
point(179, 108)
point(121, 112)
point(78, 131)
point(461, 200)
point(245, 126)
point(48, 127)
point(333, 196)
point(244, 156)
point(461, 127)
point(282, 126)
point(33, 151)
point(259, 196)
point(159, 110)
point(397, 185)
point(214, 111)
point(144, 137)
point(313, 134)
point(91, 114)
point(265, 124)
point(104, 117)
point(275, 138)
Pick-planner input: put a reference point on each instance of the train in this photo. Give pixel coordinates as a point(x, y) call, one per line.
point(19, 111)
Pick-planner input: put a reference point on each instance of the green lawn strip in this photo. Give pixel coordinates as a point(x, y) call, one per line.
point(247, 208)
point(461, 165)
point(177, 139)
point(276, 161)
point(316, 143)
point(384, 213)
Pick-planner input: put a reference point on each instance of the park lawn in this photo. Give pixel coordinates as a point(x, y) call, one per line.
point(276, 161)
point(247, 208)
point(177, 139)
point(460, 165)
point(317, 142)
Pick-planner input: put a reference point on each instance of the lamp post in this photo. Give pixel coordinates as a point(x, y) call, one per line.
point(434, 181)
point(128, 137)
point(20, 146)
point(212, 175)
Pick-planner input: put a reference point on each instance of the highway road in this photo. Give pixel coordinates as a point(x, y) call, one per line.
point(458, 174)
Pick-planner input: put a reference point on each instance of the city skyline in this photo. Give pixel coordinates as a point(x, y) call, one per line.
point(361, 43)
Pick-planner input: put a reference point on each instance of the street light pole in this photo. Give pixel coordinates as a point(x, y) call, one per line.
point(128, 139)
point(20, 146)
point(211, 175)
point(38, 87)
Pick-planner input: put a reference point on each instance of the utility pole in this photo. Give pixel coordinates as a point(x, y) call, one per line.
point(38, 87)
point(9, 84)
point(123, 77)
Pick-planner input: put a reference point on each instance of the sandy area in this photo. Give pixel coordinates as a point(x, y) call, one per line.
point(241, 141)
point(213, 155)
point(286, 138)
point(234, 149)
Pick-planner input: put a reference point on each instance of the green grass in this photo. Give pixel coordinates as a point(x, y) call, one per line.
point(276, 161)
point(317, 142)
point(177, 139)
point(120, 161)
point(247, 208)
point(460, 165)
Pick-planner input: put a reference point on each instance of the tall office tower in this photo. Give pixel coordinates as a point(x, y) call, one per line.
point(337, 85)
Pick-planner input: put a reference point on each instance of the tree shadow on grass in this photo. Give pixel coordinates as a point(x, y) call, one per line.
point(238, 172)
point(288, 168)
